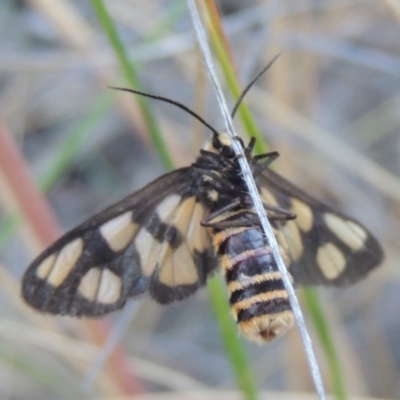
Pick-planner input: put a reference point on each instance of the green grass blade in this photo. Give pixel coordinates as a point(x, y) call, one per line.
point(8, 228)
point(230, 337)
point(133, 80)
point(248, 122)
point(233, 343)
point(311, 296)
point(175, 11)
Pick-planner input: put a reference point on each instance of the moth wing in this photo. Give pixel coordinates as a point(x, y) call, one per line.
point(139, 244)
point(325, 246)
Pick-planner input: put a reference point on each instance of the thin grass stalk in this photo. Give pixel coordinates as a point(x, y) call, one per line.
point(233, 344)
point(224, 56)
point(311, 299)
point(220, 43)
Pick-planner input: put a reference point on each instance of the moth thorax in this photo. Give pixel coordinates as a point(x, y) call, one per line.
point(266, 328)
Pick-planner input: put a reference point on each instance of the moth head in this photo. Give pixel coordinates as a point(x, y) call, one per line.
point(222, 144)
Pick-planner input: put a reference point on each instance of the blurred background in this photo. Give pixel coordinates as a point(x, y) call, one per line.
point(330, 105)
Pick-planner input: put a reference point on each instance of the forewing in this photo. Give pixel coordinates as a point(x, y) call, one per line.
point(150, 241)
point(325, 246)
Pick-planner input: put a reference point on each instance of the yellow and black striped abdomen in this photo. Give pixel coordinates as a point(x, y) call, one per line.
point(258, 299)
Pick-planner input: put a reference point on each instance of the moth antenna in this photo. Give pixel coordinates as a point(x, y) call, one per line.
point(170, 101)
point(247, 88)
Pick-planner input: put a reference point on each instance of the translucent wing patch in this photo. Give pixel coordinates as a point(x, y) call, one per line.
point(150, 241)
point(325, 246)
point(179, 264)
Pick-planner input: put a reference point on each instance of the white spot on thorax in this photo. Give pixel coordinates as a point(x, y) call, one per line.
point(213, 195)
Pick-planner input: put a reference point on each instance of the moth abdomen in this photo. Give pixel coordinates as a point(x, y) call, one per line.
point(258, 299)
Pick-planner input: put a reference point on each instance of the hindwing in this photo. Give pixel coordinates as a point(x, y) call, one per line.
point(325, 246)
point(150, 241)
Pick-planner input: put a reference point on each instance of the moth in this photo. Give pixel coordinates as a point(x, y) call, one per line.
point(168, 237)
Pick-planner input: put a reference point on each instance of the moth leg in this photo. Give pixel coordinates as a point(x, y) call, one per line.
point(233, 165)
point(206, 221)
point(281, 213)
point(248, 221)
point(238, 223)
point(271, 157)
point(239, 139)
point(249, 149)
